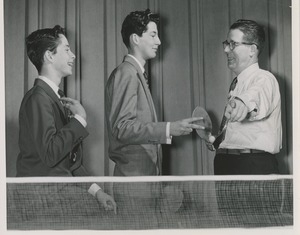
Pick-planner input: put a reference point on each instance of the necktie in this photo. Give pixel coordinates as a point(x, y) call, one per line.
point(221, 134)
point(61, 93)
point(67, 112)
point(73, 153)
point(146, 78)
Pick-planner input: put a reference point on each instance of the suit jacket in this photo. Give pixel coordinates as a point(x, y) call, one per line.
point(134, 133)
point(46, 138)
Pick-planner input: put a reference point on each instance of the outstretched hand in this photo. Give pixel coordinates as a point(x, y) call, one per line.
point(236, 111)
point(106, 201)
point(185, 126)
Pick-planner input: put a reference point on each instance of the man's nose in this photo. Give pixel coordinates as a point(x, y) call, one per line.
point(158, 42)
point(226, 49)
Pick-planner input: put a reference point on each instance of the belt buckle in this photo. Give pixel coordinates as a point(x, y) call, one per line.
point(245, 150)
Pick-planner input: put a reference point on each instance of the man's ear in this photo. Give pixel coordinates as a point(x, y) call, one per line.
point(48, 56)
point(135, 39)
point(253, 50)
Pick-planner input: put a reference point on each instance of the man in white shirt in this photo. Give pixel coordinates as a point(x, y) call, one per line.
point(51, 126)
point(253, 111)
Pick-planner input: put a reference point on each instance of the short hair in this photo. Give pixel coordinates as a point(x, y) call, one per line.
point(41, 40)
point(253, 32)
point(136, 22)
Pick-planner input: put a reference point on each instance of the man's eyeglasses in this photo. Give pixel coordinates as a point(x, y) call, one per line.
point(233, 44)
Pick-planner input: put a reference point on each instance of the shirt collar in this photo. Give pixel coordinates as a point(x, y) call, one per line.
point(246, 72)
point(138, 62)
point(53, 86)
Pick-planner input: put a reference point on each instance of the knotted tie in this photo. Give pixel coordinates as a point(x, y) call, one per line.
point(67, 112)
point(221, 135)
point(146, 78)
point(73, 153)
point(61, 93)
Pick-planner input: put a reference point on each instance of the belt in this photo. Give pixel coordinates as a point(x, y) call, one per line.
point(238, 151)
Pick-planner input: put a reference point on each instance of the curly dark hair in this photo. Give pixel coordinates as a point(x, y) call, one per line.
point(136, 22)
point(39, 41)
point(253, 32)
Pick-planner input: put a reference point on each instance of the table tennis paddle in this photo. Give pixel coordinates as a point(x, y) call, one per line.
point(206, 122)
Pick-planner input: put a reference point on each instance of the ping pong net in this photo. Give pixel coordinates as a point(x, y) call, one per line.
point(199, 202)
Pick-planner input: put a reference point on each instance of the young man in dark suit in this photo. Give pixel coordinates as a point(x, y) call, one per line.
point(49, 142)
point(52, 126)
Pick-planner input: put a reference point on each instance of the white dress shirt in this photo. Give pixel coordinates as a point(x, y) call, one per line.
point(259, 91)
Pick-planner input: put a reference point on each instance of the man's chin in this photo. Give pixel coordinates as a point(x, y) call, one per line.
point(230, 65)
point(67, 75)
point(152, 55)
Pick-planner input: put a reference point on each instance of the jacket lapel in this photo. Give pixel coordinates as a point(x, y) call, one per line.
point(48, 90)
point(144, 84)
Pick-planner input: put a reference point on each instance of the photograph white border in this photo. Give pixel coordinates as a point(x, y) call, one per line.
point(296, 153)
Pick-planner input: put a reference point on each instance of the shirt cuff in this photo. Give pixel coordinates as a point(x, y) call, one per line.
point(251, 105)
point(168, 136)
point(81, 120)
point(94, 189)
point(252, 109)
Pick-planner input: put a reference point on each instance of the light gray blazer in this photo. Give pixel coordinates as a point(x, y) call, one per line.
point(134, 133)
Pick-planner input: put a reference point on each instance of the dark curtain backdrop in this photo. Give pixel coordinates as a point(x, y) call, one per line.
point(190, 68)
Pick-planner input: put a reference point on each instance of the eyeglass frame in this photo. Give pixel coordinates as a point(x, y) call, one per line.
point(232, 44)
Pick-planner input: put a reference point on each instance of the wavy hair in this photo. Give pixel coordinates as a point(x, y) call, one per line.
point(39, 41)
point(136, 22)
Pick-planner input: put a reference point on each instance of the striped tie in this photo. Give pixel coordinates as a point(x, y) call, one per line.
point(221, 135)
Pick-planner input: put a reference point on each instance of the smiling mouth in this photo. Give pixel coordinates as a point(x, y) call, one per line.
point(229, 59)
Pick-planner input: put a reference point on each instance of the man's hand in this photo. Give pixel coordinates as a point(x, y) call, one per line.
point(106, 201)
point(74, 106)
point(210, 141)
point(236, 111)
point(185, 126)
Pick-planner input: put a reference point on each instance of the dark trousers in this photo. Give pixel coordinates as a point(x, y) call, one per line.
point(245, 164)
